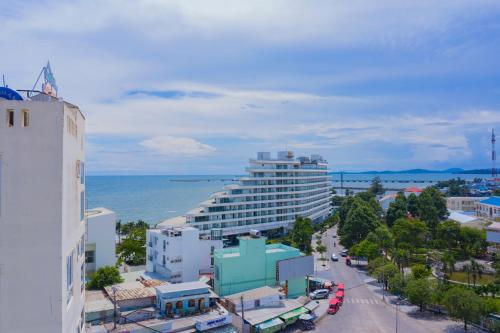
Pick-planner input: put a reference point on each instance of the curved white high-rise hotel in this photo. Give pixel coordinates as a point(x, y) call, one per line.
point(275, 192)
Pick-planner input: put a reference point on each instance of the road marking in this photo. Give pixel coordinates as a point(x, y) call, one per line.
point(362, 301)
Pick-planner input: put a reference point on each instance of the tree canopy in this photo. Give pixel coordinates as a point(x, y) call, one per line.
point(302, 234)
point(463, 304)
point(104, 276)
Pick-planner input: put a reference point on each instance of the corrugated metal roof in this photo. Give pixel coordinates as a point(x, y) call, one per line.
point(130, 290)
point(493, 201)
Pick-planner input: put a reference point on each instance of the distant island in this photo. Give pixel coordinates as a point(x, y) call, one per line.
point(420, 171)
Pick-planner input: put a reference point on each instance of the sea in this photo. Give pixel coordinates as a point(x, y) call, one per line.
point(156, 198)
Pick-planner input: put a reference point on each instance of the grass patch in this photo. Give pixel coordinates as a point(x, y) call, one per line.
point(462, 277)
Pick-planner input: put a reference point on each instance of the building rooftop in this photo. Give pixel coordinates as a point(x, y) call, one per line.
point(495, 226)
point(178, 221)
point(130, 290)
point(460, 217)
point(97, 301)
point(492, 201)
point(100, 211)
point(259, 315)
point(175, 287)
point(253, 294)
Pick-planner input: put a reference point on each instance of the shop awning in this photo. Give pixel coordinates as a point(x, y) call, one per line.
point(272, 325)
point(294, 314)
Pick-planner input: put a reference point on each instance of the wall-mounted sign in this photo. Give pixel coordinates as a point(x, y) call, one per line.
point(10, 94)
point(49, 86)
point(214, 322)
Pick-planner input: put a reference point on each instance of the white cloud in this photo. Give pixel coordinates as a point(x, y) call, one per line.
point(170, 145)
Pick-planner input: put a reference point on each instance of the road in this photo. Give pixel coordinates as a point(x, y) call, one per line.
point(364, 311)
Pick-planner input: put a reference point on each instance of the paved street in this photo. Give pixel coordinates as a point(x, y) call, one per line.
point(365, 311)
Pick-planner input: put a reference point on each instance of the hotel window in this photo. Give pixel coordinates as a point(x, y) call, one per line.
point(82, 276)
point(69, 277)
point(10, 118)
point(78, 172)
point(82, 173)
point(82, 205)
point(90, 257)
point(25, 121)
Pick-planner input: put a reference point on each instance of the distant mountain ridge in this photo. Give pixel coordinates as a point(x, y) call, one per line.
point(419, 171)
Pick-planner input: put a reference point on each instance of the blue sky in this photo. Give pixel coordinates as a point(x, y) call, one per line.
point(198, 87)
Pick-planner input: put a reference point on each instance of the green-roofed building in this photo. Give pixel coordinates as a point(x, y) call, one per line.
point(252, 265)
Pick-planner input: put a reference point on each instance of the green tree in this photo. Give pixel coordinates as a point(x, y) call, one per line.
point(302, 234)
point(372, 201)
point(401, 257)
point(385, 272)
point(397, 284)
point(448, 263)
point(343, 211)
point(320, 248)
point(419, 292)
point(448, 234)
point(397, 209)
point(463, 304)
point(376, 187)
point(432, 208)
point(366, 249)
point(472, 241)
point(104, 276)
point(409, 231)
point(419, 271)
point(412, 204)
point(360, 221)
point(476, 270)
point(132, 249)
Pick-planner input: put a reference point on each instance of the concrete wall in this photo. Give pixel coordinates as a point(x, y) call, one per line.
point(39, 217)
point(254, 267)
point(101, 234)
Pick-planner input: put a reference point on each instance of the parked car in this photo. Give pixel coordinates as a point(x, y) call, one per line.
point(344, 253)
point(333, 306)
point(334, 257)
point(319, 294)
point(334, 236)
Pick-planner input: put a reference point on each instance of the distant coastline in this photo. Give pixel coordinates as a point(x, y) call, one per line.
point(456, 171)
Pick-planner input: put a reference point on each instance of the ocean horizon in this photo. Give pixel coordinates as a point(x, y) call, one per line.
point(155, 198)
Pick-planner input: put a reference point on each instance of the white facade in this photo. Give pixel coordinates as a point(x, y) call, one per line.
point(42, 199)
point(178, 254)
point(275, 192)
point(466, 204)
point(100, 239)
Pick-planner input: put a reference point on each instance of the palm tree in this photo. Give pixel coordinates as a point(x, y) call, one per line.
point(448, 261)
point(467, 269)
point(476, 269)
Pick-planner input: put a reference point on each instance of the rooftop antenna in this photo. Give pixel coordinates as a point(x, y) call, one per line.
point(3, 79)
point(493, 154)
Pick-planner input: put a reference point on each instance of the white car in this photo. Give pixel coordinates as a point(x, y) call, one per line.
point(334, 257)
point(319, 294)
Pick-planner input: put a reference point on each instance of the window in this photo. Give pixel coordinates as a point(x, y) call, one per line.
point(10, 118)
point(78, 172)
point(191, 303)
point(82, 246)
point(90, 257)
point(25, 121)
point(82, 173)
point(69, 277)
point(82, 276)
point(82, 205)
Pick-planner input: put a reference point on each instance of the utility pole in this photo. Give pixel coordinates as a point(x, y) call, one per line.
point(114, 307)
point(493, 154)
point(242, 310)
point(397, 310)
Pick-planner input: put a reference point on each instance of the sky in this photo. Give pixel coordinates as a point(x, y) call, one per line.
point(199, 87)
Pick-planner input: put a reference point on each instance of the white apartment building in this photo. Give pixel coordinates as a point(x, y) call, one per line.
point(179, 254)
point(100, 239)
point(275, 192)
point(42, 222)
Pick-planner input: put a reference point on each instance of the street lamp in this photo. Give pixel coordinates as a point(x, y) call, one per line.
point(397, 307)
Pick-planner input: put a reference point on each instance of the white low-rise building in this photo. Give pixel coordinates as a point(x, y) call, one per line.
point(465, 204)
point(179, 254)
point(489, 208)
point(100, 240)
